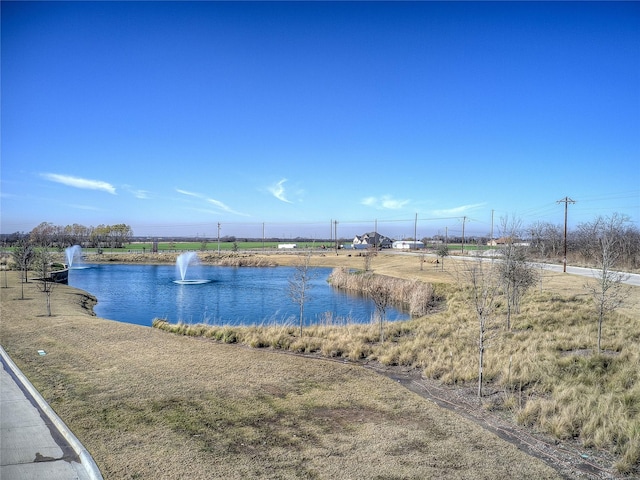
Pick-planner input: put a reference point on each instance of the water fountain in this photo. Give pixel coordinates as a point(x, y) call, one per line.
point(73, 254)
point(182, 263)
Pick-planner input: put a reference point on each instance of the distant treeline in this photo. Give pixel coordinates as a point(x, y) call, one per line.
point(50, 235)
point(542, 240)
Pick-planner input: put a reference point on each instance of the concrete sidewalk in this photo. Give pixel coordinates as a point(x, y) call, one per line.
point(34, 442)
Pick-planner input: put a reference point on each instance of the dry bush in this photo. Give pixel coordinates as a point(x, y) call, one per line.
point(417, 297)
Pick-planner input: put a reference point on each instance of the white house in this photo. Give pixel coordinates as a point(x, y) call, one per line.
point(407, 245)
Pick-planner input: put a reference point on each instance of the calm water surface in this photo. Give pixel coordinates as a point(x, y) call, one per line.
point(236, 296)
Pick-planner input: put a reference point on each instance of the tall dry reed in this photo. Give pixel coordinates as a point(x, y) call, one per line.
point(418, 298)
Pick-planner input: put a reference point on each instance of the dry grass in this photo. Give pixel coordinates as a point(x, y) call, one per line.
point(544, 368)
point(151, 405)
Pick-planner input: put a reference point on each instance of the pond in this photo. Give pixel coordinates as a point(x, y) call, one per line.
point(227, 296)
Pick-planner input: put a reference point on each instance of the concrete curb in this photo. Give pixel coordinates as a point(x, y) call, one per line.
point(85, 457)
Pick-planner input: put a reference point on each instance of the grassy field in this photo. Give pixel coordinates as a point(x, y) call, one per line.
point(209, 246)
point(148, 404)
point(226, 247)
point(543, 372)
point(151, 405)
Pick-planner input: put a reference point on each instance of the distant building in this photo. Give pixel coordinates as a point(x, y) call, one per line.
point(284, 246)
point(499, 241)
point(496, 242)
point(372, 239)
point(408, 245)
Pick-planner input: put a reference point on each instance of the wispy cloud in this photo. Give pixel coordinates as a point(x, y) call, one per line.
point(224, 207)
point(386, 202)
point(278, 191)
point(142, 194)
point(78, 182)
point(452, 212)
point(217, 203)
point(190, 194)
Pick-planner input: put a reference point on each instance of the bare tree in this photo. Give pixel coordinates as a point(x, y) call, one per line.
point(368, 257)
point(546, 239)
point(119, 234)
point(43, 234)
point(300, 285)
point(23, 255)
point(483, 281)
point(608, 290)
point(516, 273)
point(46, 283)
point(380, 292)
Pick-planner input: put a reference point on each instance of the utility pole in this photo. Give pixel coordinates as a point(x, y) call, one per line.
point(415, 232)
point(375, 234)
point(218, 238)
point(491, 238)
point(335, 232)
point(566, 201)
point(464, 219)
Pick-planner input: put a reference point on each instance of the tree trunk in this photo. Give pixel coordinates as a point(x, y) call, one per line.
point(600, 329)
point(301, 317)
point(480, 358)
point(480, 363)
point(509, 300)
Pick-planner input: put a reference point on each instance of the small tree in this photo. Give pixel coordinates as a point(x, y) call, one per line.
point(23, 255)
point(608, 290)
point(380, 292)
point(46, 283)
point(368, 257)
point(516, 273)
point(443, 251)
point(483, 282)
point(300, 285)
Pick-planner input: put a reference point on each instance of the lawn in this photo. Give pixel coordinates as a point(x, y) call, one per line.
point(151, 404)
point(148, 404)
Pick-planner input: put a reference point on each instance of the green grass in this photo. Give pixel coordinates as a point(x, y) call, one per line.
point(209, 246)
point(146, 247)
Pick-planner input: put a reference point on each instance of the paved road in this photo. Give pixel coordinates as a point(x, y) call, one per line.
point(34, 442)
point(628, 278)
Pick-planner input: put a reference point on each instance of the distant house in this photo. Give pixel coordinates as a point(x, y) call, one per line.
point(499, 241)
point(496, 242)
point(407, 245)
point(372, 239)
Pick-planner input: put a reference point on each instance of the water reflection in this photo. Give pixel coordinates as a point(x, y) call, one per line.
point(247, 295)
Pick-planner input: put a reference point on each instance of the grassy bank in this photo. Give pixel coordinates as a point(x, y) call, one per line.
point(543, 372)
point(149, 405)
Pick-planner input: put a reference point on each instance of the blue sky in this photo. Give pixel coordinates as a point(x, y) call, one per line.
point(173, 117)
